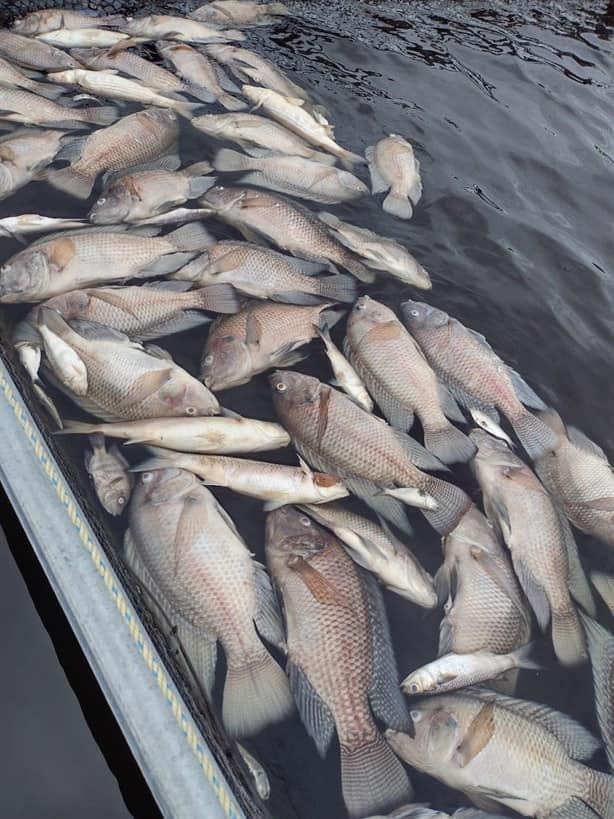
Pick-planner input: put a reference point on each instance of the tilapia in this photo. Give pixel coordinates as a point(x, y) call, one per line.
point(31, 53)
point(10, 75)
point(141, 138)
point(224, 436)
point(139, 195)
point(340, 660)
point(291, 113)
point(604, 583)
point(37, 22)
point(504, 751)
point(150, 74)
point(109, 472)
point(333, 434)
point(346, 376)
point(259, 337)
point(533, 530)
point(394, 167)
point(377, 549)
point(79, 258)
point(485, 609)
point(167, 27)
point(275, 484)
point(287, 224)
point(601, 651)
point(379, 252)
point(196, 69)
point(107, 83)
point(18, 105)
point(123, 382)
point(239, 12)
point(185, 549)
point(475, 375)
point(84, 38)
point(23, 154)
point(34, 223)
point(576, 472)
point(453, 671)
point(401, 380)
point(293, 175)
point(262, 273)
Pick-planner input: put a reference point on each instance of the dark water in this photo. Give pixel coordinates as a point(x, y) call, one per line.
point(509, 108)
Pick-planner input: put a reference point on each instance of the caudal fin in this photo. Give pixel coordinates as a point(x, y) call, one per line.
point(190, 237)
point(601, 793)
point(337, 288)
point(256, 694)
point(373, 779)
point(399, 205)
point(218, 298)
point(452, 503)
point(71, 427)
point(228, 160)
point(450, 445)
point(601, 650)
point(536, 438)
point(70, 181)
point(186, 109)
point(46, 89)
point(104, 115)
point(568, 637)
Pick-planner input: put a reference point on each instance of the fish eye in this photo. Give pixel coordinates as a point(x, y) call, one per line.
point(305, 520)
point(5, 268)
point(121, 500)
point(360, 306)
point(280, 387)
point(209, 359)
point(415, 715)
point(414, 688)
point(147, 477)
point(190, 410)
point(414, 312)
point(101, 201)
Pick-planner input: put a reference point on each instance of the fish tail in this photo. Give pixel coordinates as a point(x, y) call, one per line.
point(568, 636)
point(600, 794)
point(70, 181)
point(104, 115)
point(186, 109)
point(44, 89)
point(256, 693)
point(190, 237)
point(71, 427)
point(348, 159)
point(199, 91)
point(601, 650)
point(228, 160)
point(397, 204)
point(231, 103)
point(218, 298)
point(337, 288)
point(372, 778)
point(536, 438)
point(522, 658)
point(449, 444)
point(452, 503)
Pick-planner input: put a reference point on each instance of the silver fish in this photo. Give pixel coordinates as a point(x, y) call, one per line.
point(197, 71)
point(167, 27)
point(31, 109)
point(110, 474)
point(31, 53)
point(83, 38)
point(394, 167)
point(34, 223)
point(346, 376)
point(10, 75)
point(239, 12)
point(37, 22)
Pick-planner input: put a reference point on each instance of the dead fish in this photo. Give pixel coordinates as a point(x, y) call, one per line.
point(171, 217)
point(258, 135)
point(239, 13)
point(34, 223)
point(399, 377)
point(32, 109)
point(38, 22)
point(346, 376)
point(504, 751)
point(453, 671)
point(485, 608)
point(75, 259)
point(196, 69)
point(263, 273)
point(109, 471)
point(219, 435)
point(258, 773)
point(340, 659)
point(290, 112)
point(167, 27)
point(335, 435)
point(186, 550)
point(84, 38)
point(531, 526)
point(378, 252)
point(475, 375)
point(285, 223)
point(576, 472)
point(139, 195)
point(394, 167)
point(150, 74)
point(275, 484)
point(377, 549)
point(142, 138)
point(293, 175)
point(601, 651)
point(65, 361)
point(424, 812)
point(108, 83)
point(604, 583)
point(259, 337)
point(31, 53)
point(123, 382)
point(23, 154)
point(248, 65)
point(10, 75)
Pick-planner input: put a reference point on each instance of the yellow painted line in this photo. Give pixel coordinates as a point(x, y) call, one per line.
point(128, 617)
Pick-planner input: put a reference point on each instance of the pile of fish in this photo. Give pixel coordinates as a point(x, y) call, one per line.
point(309, 630)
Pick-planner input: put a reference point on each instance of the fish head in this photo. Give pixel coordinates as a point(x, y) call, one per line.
point(420, 316)
point(215, 125)
point(24, 275)
point(186, 396)
point(223, 200)
point(226, 362)
point(221, 51)
point(6, 176)
point(434, 737)
point(294, 391)
point(421, 681)
point(160, 486)
point(113, 206)
point(492, 450)
point(255, 94)
point(291, 535)
point(112, 481)
point(33, 23)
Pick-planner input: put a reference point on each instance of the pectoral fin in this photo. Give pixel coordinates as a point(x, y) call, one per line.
point(478, 735)
point(321, 590)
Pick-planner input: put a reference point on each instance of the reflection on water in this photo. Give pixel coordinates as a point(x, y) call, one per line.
point(509, 108)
